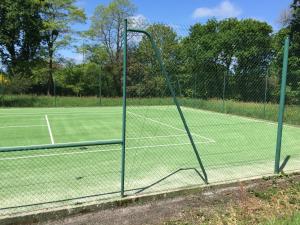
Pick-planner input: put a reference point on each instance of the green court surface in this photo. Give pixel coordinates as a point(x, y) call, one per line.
point(159, 156)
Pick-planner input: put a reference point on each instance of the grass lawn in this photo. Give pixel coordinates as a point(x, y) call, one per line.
point(289, 220)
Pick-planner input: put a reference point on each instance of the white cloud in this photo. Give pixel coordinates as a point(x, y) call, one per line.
point(138, 21)
point(224, 10)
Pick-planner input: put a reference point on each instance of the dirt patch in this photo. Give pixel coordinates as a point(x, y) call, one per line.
point(208, 206)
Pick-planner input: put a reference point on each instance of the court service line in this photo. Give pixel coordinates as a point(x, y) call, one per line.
point(168, 125)
point(49, 130)
point(22, 126)
point(95, 151)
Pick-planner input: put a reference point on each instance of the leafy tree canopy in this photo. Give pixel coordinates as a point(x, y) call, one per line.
point(20, 39)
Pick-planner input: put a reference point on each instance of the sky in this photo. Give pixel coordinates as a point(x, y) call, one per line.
point(188, 12)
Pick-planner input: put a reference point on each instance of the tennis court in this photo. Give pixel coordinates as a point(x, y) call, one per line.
point(159, 156)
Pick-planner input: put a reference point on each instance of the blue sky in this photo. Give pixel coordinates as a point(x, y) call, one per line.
point(187, 12)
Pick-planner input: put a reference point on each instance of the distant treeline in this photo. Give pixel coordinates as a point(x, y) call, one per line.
point(231, 59)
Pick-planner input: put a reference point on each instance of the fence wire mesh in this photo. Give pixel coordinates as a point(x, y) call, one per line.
point(290, 140)
point(45, 178)
point(228, 89)
point(64, 82)
point(226, 78)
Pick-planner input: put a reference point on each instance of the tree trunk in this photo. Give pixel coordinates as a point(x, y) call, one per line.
point(50, 76)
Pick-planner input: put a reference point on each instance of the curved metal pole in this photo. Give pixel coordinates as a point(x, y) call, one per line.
point(164, 71)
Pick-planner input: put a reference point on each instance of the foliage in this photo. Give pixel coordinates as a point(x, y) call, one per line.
point(20, 40)
point(230, 59)
point(78, 80)
point(294, 60)
point(106, 28)
point(3, 79)
point(228, 50)
point(295, 21)
point(144, 67)
point(292, 30)
point(58, 15)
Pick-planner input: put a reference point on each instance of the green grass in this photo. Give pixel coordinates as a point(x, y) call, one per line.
point(49, 101)
point(250, 109)
point(288, 220)
point(231, 147)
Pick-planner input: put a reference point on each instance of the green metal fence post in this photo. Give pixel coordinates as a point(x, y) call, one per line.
point(124, 109)
point(281, 105)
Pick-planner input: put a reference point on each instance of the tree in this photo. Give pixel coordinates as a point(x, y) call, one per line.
point(106, 29)
point(230, 49)
point(253, 57)
point(206, 59)
point(294, 57)
point(292, 29)
point(20, 26)
point(58, 15)
point(295, 21)
point(145, 76)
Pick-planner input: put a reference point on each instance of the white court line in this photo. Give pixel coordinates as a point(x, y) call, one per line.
point(49, 130)
point(169, 145)
point(94, 151)
point(153, 137)
point(168, 125)
point(22, 126)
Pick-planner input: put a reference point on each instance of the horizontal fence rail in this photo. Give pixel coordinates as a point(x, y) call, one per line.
point(60, 146)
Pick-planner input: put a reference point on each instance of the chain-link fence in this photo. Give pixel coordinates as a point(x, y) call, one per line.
point(202, 107)
point(32, 180)
point(228, 87)
point(63, 157)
